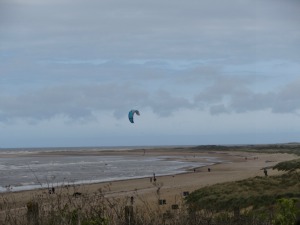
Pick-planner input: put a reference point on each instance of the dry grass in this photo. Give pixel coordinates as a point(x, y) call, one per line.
point(215, 205)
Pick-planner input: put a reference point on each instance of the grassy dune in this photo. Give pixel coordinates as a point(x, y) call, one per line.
point(259, 200)
point(254, 192)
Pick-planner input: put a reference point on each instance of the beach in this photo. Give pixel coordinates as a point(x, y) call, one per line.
point(231, 166)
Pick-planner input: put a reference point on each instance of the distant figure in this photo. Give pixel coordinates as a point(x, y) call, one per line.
point(265, 172)
point(77, 194)
point(194, 170)
point(158, 190)
point(208, 169)
point(154, 178)
point(8, 187)
point(131, 200)
point(186, 193)
point(53, 190)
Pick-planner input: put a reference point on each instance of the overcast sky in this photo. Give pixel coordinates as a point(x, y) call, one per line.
point(199, 72)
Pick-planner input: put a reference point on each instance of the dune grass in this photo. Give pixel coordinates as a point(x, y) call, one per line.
point(253, 192)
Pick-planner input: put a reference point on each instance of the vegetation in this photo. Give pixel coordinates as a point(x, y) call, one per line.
point(289, 166)
point(255, 201)
point(262, 200)
point(291, 148)
point(286, 212)
point(253, 192)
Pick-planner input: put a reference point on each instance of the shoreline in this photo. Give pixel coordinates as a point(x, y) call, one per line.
point(174, 158)
point(94, 182)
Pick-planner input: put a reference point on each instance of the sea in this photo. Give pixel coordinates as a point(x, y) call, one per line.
point(28, 169)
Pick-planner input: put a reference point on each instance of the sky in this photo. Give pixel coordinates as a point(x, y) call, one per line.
point(199, 71)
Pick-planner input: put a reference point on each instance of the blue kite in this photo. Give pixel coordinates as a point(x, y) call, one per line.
point(131, 114)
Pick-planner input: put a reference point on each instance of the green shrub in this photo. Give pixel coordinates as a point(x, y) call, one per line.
point(286, 212)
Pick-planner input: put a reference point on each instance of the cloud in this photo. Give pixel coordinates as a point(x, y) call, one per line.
point(83, 101)
point(223, 87)
point(225, 95)
point(219, 109)
point(288, 99)
point(73, 60)
point(241, 30)
point(164, 104)
point(73, 102)
point(238, 98)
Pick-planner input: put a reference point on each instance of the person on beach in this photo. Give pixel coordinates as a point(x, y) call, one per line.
point(131, 200)
point(154, 178)
point(265, 172)
point(8, 187)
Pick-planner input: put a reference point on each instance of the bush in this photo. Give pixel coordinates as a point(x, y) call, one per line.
point(286, 212)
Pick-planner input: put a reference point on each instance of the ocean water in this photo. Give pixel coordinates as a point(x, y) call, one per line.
point(20, 170)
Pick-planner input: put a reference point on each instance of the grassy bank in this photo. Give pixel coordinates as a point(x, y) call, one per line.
point(254, 193)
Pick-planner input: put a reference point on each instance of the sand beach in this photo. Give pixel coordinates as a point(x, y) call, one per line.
point(233, 166)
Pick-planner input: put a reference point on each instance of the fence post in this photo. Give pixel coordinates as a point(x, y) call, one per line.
point(236, 213)
point(33, 213)
point(129, 220)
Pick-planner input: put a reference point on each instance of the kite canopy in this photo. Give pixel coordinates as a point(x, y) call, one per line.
point(131, 114)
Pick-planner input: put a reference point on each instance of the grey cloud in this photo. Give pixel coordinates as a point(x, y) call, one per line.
point(76, 103)
point(219, 109)
point(252, 101)
point(288, 98)
point(149, 30)
point(165, 104)
point(168, 64)
point(81, 102)
point(221, 88)
point(236, 95)
point(73, 102)
point(277, 102)
point(282, 100)
point(181, 47)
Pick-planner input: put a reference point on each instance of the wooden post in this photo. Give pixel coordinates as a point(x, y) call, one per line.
point(236, 213)
point(33, 213)
point(129, 220)
point(175, 206)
